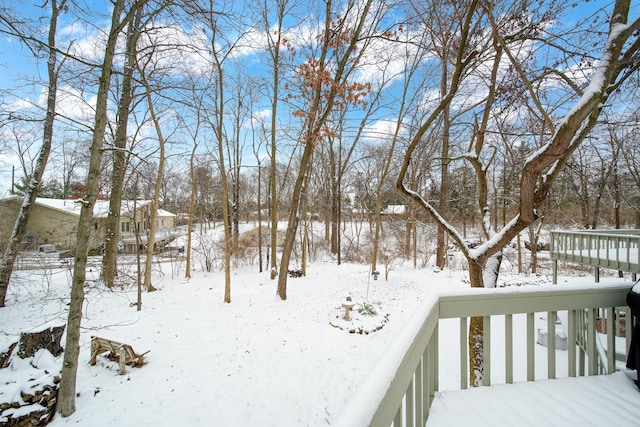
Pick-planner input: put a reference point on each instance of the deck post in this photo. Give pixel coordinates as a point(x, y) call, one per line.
point(591, 342)
point(486, 350)
point(464, 355)
point(409, 406)
point(508, 333)
point(554, 264)
point(421, 414)
point(571, 341)
point(551, 344)
point(531, 345)
point(611, 339)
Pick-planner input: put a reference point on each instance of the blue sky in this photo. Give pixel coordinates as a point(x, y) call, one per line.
point(18, 64)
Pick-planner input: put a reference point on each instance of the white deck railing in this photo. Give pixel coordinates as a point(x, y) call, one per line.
point(400, 390)
point(611, 249)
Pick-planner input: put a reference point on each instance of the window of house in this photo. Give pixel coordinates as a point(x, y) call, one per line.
point(124, 227)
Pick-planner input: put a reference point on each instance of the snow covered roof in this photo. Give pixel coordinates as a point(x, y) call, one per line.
point(100, 210)
point(73, 207)
point(162, 212)
point(394, 210)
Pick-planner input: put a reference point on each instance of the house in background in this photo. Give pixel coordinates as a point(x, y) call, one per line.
point(134, 216)
point(55, 222)
point(396, 211)
point(250, 237)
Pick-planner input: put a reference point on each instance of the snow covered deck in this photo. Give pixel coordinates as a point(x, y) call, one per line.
point(603, 400)
point(611, 249)
point(404, 389)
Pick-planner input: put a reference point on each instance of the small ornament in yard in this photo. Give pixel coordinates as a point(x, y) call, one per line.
point(375, 275)
point(347, 305)
point(363, 321)
point(295, 273)
point(123, 353)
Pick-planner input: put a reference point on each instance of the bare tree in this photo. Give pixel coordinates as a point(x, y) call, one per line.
point(67, 394)
point(221, 24)
point(325, 87)
point(109, 260)
point(630, 176)
point(142, 66)
point(543, 165)
point(407, 101)
point(277, 43)
point(194, 116)
point(20, 226)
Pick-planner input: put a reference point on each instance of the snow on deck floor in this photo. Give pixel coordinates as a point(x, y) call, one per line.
point(604, 400)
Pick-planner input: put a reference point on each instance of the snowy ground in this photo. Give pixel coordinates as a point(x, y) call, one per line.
point(256, 361)
point(602, 400)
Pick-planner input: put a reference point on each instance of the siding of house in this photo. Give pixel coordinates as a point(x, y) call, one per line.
point(56, 221)
point(8, 213)
point(45, 226)
point(165, 221)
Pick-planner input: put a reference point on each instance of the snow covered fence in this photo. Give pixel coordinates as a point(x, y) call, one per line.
point(401, 388)
point(611, 249)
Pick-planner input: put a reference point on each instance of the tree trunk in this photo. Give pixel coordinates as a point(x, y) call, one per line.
point(377, 217)
point(307, 219)
point(192, 206)
point(273, 201)
point(476, 330)
point(519, 245)
point(443, 204)
point(67, 394)
point(534, 237)
point(476, 351)
point(293, 221)
point(303, 256)
point(109, 260)
point(20, 226)
point(236, 158)
point(227, 229)
point(260, 244)
point(153, 214)
point(138, 246)
point(273, 216)
point(219, 132)
point(407, 239)
point(335, 220)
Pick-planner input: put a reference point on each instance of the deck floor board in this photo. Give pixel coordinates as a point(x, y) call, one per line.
point(604, 400)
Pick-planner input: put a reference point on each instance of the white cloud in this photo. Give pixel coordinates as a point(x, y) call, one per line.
point(73, 104)
point(382, 130)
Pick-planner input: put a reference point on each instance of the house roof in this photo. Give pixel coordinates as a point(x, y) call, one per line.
point(100, 210)
point(73, 207)
point(163, 213)
point(394, 210)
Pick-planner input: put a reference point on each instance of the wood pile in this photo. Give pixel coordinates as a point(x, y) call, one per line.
point(123, 353)
point(28, 392)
